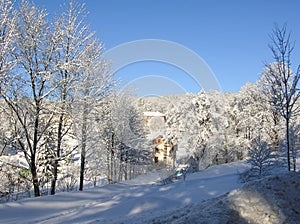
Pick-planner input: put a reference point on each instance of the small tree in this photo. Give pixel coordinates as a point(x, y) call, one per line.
point(281, 82)
point(260, 155)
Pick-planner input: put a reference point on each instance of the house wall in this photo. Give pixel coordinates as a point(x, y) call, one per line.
point(163, 151)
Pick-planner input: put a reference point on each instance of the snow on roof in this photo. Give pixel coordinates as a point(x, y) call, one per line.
point(154, 114)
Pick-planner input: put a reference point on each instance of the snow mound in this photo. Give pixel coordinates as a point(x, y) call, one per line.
point(274, 199)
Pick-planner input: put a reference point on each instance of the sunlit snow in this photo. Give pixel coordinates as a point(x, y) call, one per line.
point(143, 200)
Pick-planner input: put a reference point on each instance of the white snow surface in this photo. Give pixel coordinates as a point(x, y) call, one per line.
point(136, 201)
point(154, 114)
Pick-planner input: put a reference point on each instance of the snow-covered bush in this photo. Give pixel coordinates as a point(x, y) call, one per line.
point(261, 157)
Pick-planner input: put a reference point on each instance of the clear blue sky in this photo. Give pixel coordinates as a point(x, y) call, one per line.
point(231, 36)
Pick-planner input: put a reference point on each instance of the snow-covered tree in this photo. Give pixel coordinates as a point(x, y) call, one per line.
point(7, 36)
point(256, 117)
point(235, 144)
point(29, 84)
point(223, 146)
point(124, 136)
point(7, 63)
point(15, 177)
point(183, 126)
point(94, 84)
point(76, 56)
point(190, 124)
point(281, 82)
point(259, 155)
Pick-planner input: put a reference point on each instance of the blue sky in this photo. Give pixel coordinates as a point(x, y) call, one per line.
point(232, 37)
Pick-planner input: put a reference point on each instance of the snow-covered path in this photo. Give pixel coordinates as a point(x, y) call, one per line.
point(125, 201)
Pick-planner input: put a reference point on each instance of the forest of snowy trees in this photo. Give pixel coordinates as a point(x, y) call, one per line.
point(218, 128)
point(65, 124)
point(59, 104)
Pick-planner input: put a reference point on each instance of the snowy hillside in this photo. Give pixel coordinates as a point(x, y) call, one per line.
point(197, 200)
point(274, 199)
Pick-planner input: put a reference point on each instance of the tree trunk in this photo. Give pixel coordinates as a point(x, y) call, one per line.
point(108, 163)
point(54, 179)
point(275, 134)
point(83, 146)
point(120, 169)
point(55, 166)
point(35, 180)
point(112, 157)
point(34, 174)
point(82, 168)
point(287, 124)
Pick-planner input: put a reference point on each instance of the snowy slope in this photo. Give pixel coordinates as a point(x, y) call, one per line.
point(137, 201)
point(274, 199)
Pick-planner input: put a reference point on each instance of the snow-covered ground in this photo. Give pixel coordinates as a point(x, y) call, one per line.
point(141, 201)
